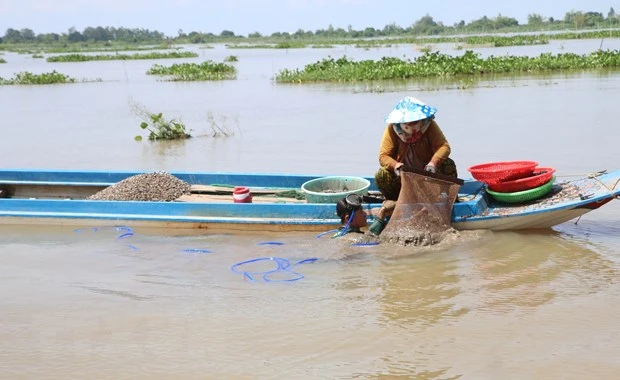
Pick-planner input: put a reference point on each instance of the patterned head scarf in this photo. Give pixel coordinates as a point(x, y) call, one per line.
point(408, 110)
point(410, 133)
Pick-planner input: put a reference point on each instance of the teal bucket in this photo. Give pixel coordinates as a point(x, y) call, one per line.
point(331, 189)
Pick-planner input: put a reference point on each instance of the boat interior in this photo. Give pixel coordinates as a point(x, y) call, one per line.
point(471, 199)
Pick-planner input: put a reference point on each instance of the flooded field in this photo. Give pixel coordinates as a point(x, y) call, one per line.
point(82, 302)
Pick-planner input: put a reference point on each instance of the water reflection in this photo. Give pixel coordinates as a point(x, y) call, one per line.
point(600, 233)
point(412, 304)
point(433, 300)
point(419, 293)
point(528, 271)
point(497, 273)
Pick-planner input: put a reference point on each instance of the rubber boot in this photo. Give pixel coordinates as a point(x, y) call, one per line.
point(377, 226)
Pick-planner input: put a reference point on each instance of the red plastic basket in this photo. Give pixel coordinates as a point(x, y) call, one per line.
point(494, 172)
point(539, 177)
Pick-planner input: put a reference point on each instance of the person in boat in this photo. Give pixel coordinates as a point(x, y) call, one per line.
point(354, 218)
point(412, 138)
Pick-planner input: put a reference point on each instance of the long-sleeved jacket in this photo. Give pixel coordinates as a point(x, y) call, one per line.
point(432, 147)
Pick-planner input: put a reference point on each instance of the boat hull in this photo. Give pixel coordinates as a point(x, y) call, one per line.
point(520, 222)
point(60, 198)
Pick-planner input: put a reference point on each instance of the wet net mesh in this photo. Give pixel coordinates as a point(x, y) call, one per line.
point(423, 211)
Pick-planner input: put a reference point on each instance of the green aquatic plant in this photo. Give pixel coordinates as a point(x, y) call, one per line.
point(322, 46)
point(368, 44)
point(115, 57)
point(99, 47)
point(207, 70)
point(503, 41)
point(2, 60)
point(275, 45)
point(158, 126)
point(465, 84)
point(231, 58)
point(25, 78)
point(425, 49)
point(83, 47)
point(250, 46)
point(442, 65)
point(291, 45)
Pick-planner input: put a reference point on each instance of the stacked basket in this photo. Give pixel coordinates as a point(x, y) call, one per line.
point(514, 181)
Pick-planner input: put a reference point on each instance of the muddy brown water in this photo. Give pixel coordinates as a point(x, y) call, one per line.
point(81, 302)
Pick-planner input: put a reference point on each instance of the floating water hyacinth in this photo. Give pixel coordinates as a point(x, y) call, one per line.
point(207, 70)
point(28, 78)
point(435, 64)
point(119, 57)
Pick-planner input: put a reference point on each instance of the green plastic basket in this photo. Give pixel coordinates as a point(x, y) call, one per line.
point(523, 196)
point(331, 189)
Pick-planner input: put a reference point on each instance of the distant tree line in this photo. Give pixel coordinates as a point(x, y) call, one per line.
point(425, 26)
point(98, 34)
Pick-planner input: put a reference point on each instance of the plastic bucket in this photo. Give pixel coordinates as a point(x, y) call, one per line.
point(331, 189)
point(242, 194)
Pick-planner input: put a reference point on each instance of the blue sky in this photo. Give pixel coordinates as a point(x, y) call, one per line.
point(269, 16)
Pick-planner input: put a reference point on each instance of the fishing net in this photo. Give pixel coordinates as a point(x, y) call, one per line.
point(423, 211)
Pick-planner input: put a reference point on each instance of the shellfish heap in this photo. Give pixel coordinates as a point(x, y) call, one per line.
point(154, 187)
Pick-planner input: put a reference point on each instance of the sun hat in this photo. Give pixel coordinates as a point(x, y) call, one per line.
point(410, 109)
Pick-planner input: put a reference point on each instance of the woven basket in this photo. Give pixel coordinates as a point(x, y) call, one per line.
point(538, 178)
point(523, 196)
point(494, 172)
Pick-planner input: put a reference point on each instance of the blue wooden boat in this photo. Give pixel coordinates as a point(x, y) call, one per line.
point(59, 197)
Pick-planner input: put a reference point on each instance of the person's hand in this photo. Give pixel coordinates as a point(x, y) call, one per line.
point(387, 208)
point(430, 168)
point(388, 205)
point(397, 168)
